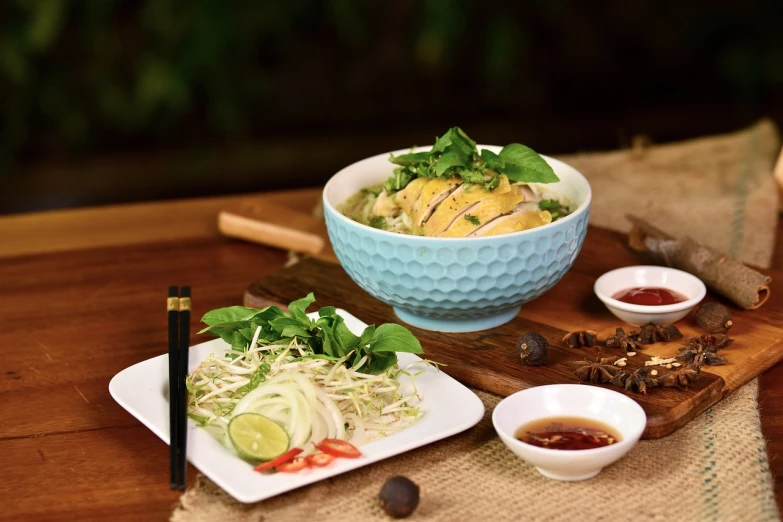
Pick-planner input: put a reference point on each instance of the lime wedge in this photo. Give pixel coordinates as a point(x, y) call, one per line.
point(257, 437)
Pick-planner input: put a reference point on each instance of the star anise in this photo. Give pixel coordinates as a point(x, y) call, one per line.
point(656, 333)
point(598, 372)
point(701, 350)
point(639, 380)
point(681, 378)
point(627, 341)
point(709, 358)
point(712, 341)
point(580, 338)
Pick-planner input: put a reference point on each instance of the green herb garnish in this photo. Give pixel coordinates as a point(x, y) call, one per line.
point(455, 154)
point(554, 207)
point(377, 222)
point(325, 337)
point(473, 219)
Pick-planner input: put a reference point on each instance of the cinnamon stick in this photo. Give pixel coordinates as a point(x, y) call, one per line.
point(739, 283)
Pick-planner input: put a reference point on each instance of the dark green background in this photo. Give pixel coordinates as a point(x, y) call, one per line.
point(105, 101)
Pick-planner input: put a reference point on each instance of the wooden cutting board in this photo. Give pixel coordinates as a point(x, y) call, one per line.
point(487, 360)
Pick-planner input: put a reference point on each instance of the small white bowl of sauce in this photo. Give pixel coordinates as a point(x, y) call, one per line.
point(569, 431)
point(649, 294)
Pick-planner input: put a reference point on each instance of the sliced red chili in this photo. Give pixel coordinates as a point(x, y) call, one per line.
point(297, 464)
point(282, 459)
point(339, 448)
point(320, 459)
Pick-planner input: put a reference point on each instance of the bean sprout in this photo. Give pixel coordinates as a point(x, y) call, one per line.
point(312, 398)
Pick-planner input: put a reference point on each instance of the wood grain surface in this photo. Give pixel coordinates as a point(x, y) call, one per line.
point(487, 359)
point(83, 298)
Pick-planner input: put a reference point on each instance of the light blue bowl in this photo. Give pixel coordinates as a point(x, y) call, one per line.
point(454, 284)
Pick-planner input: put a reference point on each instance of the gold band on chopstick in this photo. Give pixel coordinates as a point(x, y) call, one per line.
point(184, 303)
point(172, 304)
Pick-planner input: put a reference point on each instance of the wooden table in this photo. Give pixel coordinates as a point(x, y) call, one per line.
point(82, 297)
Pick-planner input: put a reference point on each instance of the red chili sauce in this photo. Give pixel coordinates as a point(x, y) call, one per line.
point(649, 296)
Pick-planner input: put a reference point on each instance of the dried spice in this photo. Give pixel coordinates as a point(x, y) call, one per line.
point(681, 378)
point(744, 286)
point(399, 496)
point(656, 333)
point(532, 349)
point(627, 341)
point(639, 380)
point(599, 372)
point(580, 338)
point(709, 358)
point(714, 317)
point(702, 349)
point(714, 341)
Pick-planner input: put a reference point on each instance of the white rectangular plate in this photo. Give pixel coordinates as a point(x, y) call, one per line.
point(449, 408)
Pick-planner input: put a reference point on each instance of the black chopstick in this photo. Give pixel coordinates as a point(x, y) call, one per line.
point(172, 306)
point(182, 366)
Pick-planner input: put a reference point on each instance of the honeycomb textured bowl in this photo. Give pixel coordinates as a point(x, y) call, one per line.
point(454, 284)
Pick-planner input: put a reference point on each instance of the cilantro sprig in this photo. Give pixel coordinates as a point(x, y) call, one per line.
point(455, 154)
point(326, 337)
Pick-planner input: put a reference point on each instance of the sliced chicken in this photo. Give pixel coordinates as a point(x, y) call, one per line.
point(384, 205)
point(461, 201)
point(435, 191)
point(408, 196)
point(522, 219)
point(484, 211)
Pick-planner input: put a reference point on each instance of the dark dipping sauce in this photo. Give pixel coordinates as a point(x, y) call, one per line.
point(567, 433)
point(649, 296)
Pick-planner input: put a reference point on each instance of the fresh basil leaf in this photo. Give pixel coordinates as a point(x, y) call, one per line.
point(230, 333)
point(329, 345)
point(452, 158)
point(366, 336)
point(297, 308)
point(410, 158)
point(228, 315)
point(392, 337)
point(465, 145)
point(444, 141)
point(294, 331)
point(492, 160)
point(267, 314)
point(526, 165)
point(328, 311)
point(379, 361)
point(279, 323)
point(347, 340)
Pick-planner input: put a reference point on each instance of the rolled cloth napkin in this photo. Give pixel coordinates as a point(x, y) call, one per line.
point(719, 190)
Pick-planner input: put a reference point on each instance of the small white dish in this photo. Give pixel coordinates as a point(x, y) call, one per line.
point(449, 407)
point(614, 409)
point(621, 279)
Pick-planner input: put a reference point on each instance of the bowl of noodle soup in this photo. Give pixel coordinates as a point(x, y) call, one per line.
point(454, 284)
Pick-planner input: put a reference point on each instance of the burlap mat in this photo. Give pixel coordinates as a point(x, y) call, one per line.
point(715, 468)
point(719, 190)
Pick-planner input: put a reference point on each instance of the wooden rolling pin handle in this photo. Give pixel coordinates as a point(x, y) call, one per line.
point(274, 225)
